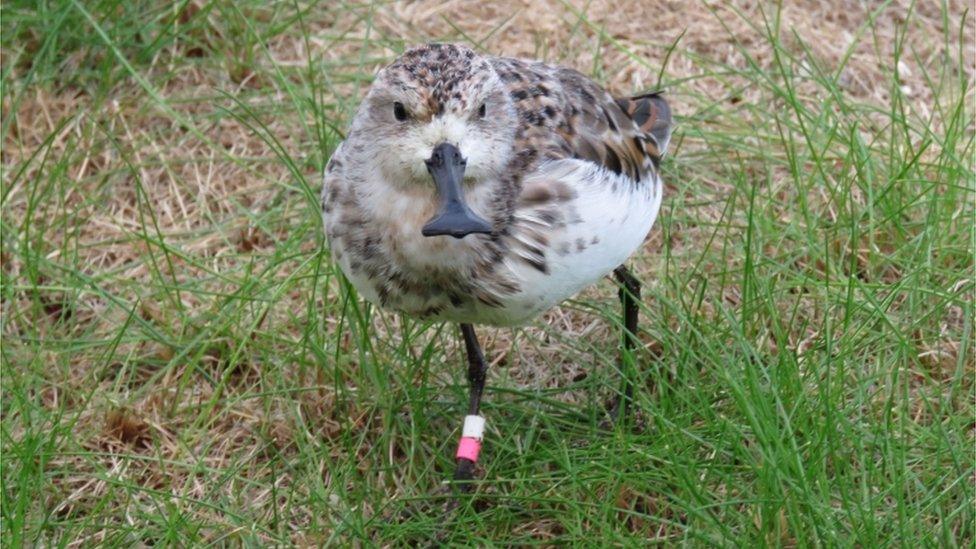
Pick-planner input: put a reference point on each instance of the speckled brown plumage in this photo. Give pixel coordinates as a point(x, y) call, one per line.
point(566, 115)
point(554, 163)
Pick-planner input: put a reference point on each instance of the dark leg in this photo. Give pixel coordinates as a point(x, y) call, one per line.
point(476, 380)
point(629, 297)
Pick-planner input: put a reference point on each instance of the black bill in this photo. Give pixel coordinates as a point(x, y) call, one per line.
point(454, 217)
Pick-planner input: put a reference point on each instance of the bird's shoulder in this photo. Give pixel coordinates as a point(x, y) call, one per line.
point(564, 114)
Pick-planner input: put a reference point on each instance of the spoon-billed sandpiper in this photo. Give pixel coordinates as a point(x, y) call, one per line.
point(486, 190)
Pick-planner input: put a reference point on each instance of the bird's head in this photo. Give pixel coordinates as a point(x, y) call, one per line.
point(440, 118)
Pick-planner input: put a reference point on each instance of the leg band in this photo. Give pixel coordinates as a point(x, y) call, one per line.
point(471, 435)
point(468, 449)
point(474, 427)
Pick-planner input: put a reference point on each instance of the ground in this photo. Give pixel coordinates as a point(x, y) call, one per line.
point(181, 363)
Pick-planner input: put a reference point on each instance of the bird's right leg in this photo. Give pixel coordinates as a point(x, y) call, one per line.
point(474, 424)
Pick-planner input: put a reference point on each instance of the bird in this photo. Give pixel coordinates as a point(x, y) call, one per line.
point(485, 190)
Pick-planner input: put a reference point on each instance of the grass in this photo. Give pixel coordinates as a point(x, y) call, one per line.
point(181, 364)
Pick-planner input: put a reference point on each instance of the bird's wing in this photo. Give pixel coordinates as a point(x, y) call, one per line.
point(564, 114)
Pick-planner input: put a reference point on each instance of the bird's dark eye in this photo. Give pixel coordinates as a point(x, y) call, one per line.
point(482, 110)
point(399, 111)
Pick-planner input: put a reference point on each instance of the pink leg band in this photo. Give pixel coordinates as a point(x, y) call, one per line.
point(468, 449)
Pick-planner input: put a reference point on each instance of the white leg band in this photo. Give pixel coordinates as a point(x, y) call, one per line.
point(474, 427)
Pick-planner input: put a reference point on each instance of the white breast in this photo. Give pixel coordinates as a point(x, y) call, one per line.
point(611, 216)
point(602, 218)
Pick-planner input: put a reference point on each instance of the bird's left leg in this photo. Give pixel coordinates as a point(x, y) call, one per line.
point(630, 294)
point(474, 424)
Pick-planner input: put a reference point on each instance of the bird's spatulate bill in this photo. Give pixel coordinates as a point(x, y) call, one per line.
point(453, 217)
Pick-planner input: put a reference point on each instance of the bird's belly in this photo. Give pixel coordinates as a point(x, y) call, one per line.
point(603, 226)
point(607, 232)
point(597, 230)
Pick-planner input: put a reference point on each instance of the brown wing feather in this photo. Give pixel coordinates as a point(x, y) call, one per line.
point(564, 114)
point(652, 115)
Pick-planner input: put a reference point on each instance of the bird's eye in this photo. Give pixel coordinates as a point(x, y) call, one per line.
point(399, 111)
point(482, 110)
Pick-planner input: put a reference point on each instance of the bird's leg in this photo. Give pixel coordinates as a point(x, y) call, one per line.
point(470, 445)
point(629, 297)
